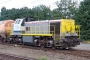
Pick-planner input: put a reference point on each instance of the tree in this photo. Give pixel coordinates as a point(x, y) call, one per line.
point(67, 8)
point(56, 14)
point(3, 10)
point(15, 13)
point(82, 17)
point(42, 12)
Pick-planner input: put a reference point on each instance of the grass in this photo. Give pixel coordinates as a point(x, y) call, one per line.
point(25, 55)
point(86, 41)
point(43, 58)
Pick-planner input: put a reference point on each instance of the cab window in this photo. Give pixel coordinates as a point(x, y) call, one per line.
point(17, 22)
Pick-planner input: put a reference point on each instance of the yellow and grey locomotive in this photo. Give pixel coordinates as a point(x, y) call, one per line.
point(46, 33)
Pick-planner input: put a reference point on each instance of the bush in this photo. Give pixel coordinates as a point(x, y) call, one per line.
point(43, 58)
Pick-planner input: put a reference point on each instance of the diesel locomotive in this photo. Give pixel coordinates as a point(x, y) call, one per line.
point(62, 33)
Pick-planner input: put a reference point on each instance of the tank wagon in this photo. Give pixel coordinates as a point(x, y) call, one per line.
point(5, 28)
point(46, 33)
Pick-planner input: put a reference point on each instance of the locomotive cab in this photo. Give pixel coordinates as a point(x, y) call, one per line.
point(17, 26)
point(16, 30)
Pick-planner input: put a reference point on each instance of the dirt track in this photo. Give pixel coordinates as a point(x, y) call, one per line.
point(32, 53)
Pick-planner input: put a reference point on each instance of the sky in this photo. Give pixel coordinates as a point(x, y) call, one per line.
point(28, 3)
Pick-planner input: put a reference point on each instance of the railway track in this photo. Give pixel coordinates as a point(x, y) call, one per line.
point(80, 53)
point(4, 56)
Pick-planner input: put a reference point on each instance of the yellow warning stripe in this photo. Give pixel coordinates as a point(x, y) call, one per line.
point(36, 34)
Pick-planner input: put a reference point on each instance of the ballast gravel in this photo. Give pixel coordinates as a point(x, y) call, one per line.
point(27, 52)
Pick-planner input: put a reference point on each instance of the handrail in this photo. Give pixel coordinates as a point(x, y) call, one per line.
point(76, 29)
point(40, 30)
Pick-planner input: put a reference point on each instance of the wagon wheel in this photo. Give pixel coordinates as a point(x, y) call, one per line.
point(3, 40)
point(0, 39)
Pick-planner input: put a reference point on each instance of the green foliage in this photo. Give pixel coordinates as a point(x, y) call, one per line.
point(41, 12)
point(43, 58)
point(86, 41)
point(25, 55)
point(56, 14)
point(67, 8)
point(82, 17)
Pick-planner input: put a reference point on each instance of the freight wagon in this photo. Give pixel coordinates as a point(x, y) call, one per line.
point(5, 28)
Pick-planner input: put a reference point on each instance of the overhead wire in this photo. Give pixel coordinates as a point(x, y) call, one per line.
point(31, 3)
point(5, 1)
point(27, 3)
point(18, 6)
point(23, 11)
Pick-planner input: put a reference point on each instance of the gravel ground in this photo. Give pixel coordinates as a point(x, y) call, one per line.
point(37, 53)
